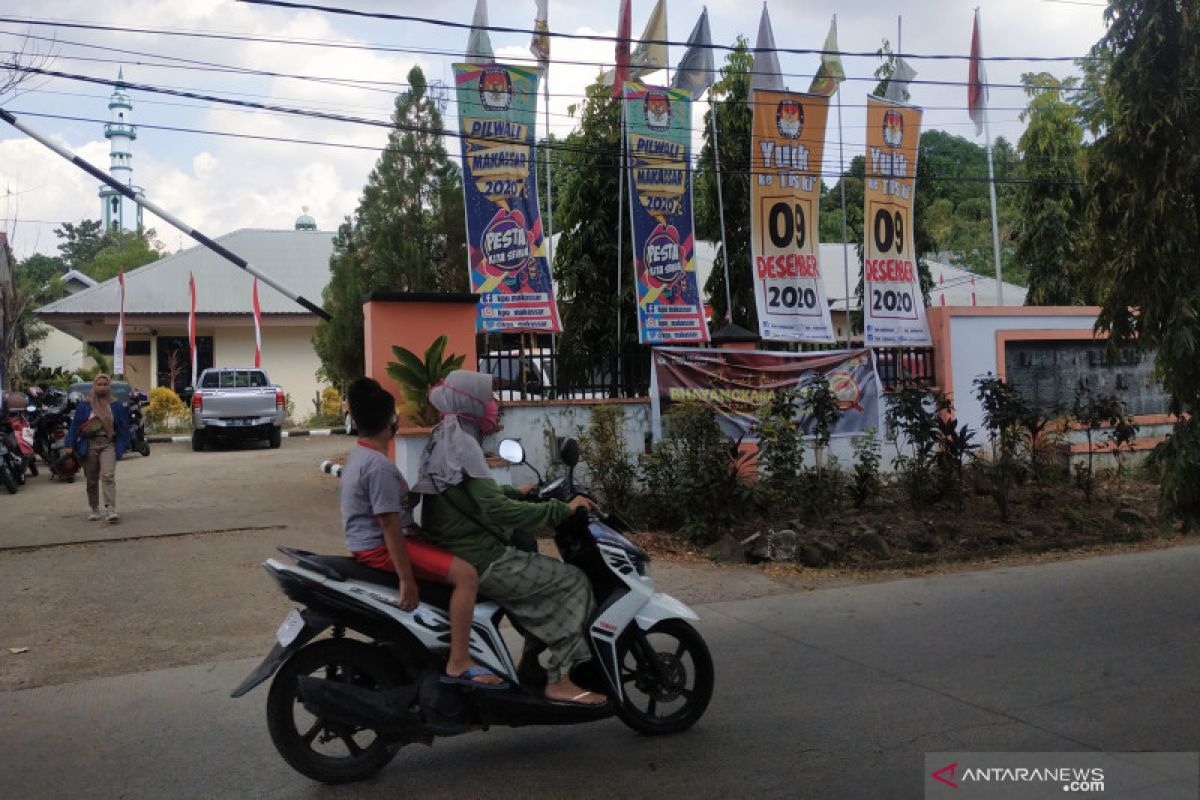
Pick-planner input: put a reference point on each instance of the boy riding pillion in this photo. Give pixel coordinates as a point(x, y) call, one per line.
point(378, 523)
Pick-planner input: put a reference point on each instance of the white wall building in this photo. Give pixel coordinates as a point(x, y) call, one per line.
point(157, 301)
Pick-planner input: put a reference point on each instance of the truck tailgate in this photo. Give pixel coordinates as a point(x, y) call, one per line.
point(257, 402)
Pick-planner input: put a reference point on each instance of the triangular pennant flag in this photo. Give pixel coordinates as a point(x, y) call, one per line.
point(897, 88)
point(650, 54)
point(621, 73)
point(695, 70)
point(479, 45)
point(540, 44)
point(830, 73)
point(767, 74)
point(976, 81)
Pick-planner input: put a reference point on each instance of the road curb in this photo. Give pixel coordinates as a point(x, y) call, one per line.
point(286, 435)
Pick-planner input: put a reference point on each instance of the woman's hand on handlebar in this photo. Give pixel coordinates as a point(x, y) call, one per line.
point(527, 489)
point(579, 501)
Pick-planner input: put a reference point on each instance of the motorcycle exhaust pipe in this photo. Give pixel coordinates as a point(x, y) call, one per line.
point(387, 710)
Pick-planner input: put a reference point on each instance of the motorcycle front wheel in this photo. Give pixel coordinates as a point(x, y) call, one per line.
point(326, 751)
point(669, 697)
point(6, 477)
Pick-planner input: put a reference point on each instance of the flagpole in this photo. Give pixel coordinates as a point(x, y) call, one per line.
point(845, 228)
point(721, 208)
point(987, 135)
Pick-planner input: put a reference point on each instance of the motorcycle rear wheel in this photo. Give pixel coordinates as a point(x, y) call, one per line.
point(345, 755)
point(652, 706)
point(144, 448)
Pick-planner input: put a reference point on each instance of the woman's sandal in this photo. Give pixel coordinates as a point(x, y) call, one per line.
point(467, 678)
point(574, 701)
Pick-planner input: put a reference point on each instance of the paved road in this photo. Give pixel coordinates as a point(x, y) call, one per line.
point(832, 693)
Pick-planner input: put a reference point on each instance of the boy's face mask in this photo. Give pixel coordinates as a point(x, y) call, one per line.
point(490, 421)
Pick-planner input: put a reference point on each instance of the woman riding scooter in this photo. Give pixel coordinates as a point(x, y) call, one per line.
point(469, 514)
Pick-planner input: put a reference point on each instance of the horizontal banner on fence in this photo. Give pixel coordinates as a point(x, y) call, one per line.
point(737, 384)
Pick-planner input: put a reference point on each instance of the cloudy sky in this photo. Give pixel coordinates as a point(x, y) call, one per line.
point(220, 183)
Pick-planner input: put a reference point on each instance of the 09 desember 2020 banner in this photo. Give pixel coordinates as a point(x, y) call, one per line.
point(786, 149)
point(658, 124)
point(506, 246)
point(893, 309)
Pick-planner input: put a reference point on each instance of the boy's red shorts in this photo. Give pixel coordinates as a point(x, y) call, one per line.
point(428, 562)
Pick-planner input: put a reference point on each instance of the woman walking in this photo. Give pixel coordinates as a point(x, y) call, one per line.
point(99, 436)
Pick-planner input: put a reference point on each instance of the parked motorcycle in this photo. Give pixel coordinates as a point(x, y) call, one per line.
point(20, 433)
point(339, 709)
point(137, 423)
point(50, 426)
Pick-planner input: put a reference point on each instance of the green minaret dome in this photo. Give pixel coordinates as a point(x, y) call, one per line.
point(304, 222)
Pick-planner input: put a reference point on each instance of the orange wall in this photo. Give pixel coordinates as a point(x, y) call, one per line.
point(414, 321)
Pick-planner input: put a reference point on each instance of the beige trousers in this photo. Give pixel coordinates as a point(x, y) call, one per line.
point(100, 469)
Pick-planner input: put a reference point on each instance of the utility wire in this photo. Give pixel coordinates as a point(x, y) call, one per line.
point(599, 37)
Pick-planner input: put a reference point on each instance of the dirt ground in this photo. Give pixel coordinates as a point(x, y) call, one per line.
point(178, 581)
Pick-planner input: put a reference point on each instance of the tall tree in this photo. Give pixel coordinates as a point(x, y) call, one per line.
point(407, 233)
point(123, 249)
point(587, 215)
point(1143, 176)
point(80, 243)
point(1050, 200)
point(734, 118)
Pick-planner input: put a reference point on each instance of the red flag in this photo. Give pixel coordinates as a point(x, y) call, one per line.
point(119, 342)
point(621, 73)
point(976, 81)
point(192, 326)
point(257, 327)
point(942, 287)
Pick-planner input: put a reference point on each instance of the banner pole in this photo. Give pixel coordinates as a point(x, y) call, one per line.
point(987, 135)
point(549, 181)
point(845, 228)
point(620, 231)
point(721, 208)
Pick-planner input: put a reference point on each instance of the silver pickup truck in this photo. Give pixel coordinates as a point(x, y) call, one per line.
point(236, 402)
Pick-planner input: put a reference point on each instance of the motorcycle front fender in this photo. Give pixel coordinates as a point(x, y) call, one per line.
point(659, 607)
point(314, 624)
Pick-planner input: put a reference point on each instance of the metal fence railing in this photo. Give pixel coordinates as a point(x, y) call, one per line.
point(541, 373)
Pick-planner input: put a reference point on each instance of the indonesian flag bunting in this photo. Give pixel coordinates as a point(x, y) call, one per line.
point(192, 326)
point(257, 328)
point(976, 81)
point(621, 73)
point(119, 342)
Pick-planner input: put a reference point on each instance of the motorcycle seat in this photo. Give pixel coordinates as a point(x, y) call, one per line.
point(347, 568)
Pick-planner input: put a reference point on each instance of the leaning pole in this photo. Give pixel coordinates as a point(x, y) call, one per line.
point(159, 211)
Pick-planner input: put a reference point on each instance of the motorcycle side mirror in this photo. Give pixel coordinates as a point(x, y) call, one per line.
point(511, 451)
point(31, 408)
point(570, 453)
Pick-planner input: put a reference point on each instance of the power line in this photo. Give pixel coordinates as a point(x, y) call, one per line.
point(598, 37)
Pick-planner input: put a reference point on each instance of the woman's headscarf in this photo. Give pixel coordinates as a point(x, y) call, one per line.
point(454, 452)
point(102, 407)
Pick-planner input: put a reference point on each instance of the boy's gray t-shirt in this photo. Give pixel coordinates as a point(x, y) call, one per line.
point(371, 484)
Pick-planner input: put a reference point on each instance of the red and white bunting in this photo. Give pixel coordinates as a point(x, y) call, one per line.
point(257, 327)
point(192, 326)
point(119, 341)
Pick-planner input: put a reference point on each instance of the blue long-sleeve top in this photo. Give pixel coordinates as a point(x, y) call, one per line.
point(120, 428)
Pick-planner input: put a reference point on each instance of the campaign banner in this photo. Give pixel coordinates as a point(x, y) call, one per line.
point(787, 143)
point(505, 244)
point(658, 125)
point(738, 383)
point(893, 309)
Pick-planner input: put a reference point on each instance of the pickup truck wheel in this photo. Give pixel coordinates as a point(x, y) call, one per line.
point(276, 437)
point(197, 441)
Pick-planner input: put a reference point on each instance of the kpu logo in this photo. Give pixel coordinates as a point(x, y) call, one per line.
point(658, 111)
point(495, 89)
point(893, 128)
point(789, 118)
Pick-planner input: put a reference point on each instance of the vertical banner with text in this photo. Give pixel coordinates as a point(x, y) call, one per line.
point(893, 309)
point(787, 144)
point(658, 125)
point(506, 248)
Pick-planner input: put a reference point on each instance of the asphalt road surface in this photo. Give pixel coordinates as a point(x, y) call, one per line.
point(831, 693)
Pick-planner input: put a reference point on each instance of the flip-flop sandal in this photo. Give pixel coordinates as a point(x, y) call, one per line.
point(467, 678)
point(574, 701)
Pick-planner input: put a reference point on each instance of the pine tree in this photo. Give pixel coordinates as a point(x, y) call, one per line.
point(407, 234)
point(734, 119)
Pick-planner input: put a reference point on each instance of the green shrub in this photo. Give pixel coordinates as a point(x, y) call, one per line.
point(866, 485)
point(602, 448)
point(1004, 416)
point(691, 477)
point(912, 413)
point(165, 409)
point(780, 447)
